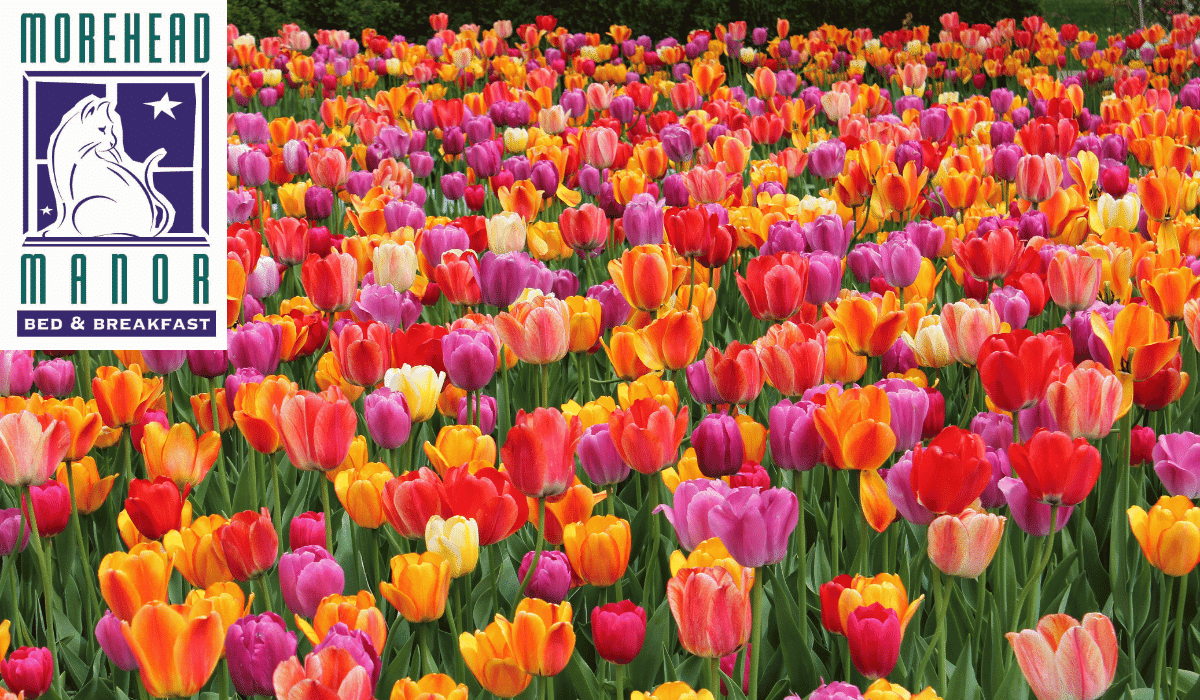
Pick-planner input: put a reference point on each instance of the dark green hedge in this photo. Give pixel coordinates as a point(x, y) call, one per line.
point(656, 18)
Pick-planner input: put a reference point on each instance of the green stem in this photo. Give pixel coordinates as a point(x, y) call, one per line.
point(223, 674)
point(537, 551)
point(269, 463)
point(619, 673)
point(714, 677)
point(756, 593)
point(1183, 587)
point(224, 483)
point(1163, 610)
point(460, 666)
point(47, 587)
point(266, 593)
point(1035, 576)
point(969, 406)
point(545, 370)
point(93, 609)
point(942, 597)
point(801, 561)
point(427, 649)
point(325, 510)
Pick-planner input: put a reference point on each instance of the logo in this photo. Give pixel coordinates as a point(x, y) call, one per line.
point(120, 180)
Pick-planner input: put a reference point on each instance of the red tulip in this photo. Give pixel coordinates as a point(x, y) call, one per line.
point(488, 497)
point(409, 501)
point(155, 507)
point(618, 630)
point(363, 352)
point(250, 544)
point(690, 230)
point(736, 374)
point(647, 435)
point(874, 634)
point(989, 256)
point(1016, 367)
point(330, 282)
point(952, 472)
point(774, 285)
point(51, 506)
point(1056, 469)
point(539, 452)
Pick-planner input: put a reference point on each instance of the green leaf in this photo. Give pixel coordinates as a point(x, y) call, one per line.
point(797, 657)
point(583, 681)
point(644, 669)
point(962, 681)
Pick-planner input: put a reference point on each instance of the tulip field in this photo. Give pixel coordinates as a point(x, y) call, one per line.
point(753, 363)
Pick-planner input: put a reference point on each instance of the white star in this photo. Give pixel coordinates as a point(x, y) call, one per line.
point(46, 211)
point(163, 106)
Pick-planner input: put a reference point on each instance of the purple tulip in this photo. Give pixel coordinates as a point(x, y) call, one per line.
point(900, 491)
point(934, 123)
point(265, 279)
point(359, 183)
point(358, 643)
point(253, 168)
point(164, 361)
point(643, 220)
point(383, 304)
point(784, 237)
point(485, 413)
point(113, 643)
point(295, 157)
point(693, 501)
point(828, 159)
point(718, 444)
point(599, 457)
point(1039, 416)
point(256, 344)
point(700, 384)
point(909, 406)
point(614, 308)
point(901, 261)
point(10, 524)
point(824, 278)
point(865, 261)
point(910, 152)
point(836, 690)
point(828, 233)
point(207, 363)
point(1031, 516)
point(551, 578)
point(755, 524)
point(55, 377)
point(254, 646)
point(387, 416)
point(16, 372)
point(899, 358)
point(239, 206)
point(306, 575)
point(503, 277)
point(318, 202)
point(397, 215)
point(470, 358)
point(674, 192)
point(420, 162)
point(1177, 463)
point(1004, 161)
point(795, 443)
point(1011, 305)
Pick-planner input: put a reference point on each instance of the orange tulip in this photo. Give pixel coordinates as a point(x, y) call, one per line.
point(598, 549)
point(457, 445)
point(419, 587)
point(358, 612)
point(1139, 341)
point(648, 275)
point(623, 354)
point(1169, 290)
point(1073, 280)
point(122, 398)
point(793, 357)
point(316, 429)
point(584, 323)
point(869, 326)
point(360, 491)
point(647, 435)
point(536, 331)
point(202, 411)
point(176, 653)
point(431, 686)
point(885, 589)
point(493, 660)
point(712, 610)
point(177, 454)
point(197, 553)
point(129, 581)
point(966, 324)
point(84, 422)
point(226, 599)
point(1086, 402)
point(522, 198)
point(574, 506)
point(255, 406)
point(855, 425)
point(330, 674)
point(90, 489)
point(540, 635)
point(670, 342)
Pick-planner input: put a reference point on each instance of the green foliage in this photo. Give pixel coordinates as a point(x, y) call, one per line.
point(656, 18)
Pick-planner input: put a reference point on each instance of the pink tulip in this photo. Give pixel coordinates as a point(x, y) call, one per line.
point(1064, 659)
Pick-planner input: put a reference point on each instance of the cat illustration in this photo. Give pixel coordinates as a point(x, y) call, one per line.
point(100, 190)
